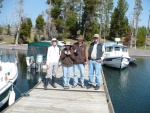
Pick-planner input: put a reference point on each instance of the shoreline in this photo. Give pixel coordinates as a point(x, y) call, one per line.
point(24, 47)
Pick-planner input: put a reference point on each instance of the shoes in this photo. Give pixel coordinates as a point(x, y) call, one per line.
point(74, 86)
point(46, 83)
point(54, 86)
point(66, 87)
point(53, 82)
point(45, 87)
point(83, 86)
point(89, 86)
point(97, 87)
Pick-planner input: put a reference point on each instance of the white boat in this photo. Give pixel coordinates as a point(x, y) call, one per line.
point(116, 54)
point(8, 75)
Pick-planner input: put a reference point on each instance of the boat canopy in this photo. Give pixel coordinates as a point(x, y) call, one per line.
point(36, 48)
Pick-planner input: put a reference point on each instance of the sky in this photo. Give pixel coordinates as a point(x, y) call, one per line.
point(32, 8)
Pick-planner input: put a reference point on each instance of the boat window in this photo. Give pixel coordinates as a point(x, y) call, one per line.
point(109, 49)
point(124, 49)
point(117, 48)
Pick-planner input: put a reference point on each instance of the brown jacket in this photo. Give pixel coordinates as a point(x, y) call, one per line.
point(67, 60)
point(81, 56)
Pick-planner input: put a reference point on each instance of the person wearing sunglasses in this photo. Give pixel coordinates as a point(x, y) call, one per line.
point(53, 57)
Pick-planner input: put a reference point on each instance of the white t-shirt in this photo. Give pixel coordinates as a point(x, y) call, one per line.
point(53, 55)
point(94, 52)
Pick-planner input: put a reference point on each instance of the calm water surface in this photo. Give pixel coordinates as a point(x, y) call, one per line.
point(129, 89)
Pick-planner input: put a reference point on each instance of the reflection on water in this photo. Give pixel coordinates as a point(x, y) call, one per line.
point(26, 80)
point(129, 88)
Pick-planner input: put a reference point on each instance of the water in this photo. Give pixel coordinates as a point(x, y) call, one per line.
point(25, 80)
point(129, 89)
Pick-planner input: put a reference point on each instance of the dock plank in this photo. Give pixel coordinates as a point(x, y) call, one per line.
point(73, 100)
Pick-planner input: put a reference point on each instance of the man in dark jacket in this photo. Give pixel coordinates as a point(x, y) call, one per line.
point(94, 57)
point(80, 59)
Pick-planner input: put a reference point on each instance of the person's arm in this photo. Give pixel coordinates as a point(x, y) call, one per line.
point(47, 60)
point(72, 54)
point(86, 55)
point(63, 55)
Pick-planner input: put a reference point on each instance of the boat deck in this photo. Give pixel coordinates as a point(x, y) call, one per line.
point(73, 100)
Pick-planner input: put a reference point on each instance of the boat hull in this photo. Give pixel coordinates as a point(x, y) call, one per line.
point(4, 97)
point(117, 62)
point(5, 90)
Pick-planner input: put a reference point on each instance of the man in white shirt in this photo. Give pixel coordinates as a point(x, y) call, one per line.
point(53, 56)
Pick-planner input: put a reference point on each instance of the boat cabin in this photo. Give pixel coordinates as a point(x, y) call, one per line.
point(115, 49)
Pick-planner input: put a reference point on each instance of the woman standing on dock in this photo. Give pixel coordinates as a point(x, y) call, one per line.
point(67, 58)
point(53, 56)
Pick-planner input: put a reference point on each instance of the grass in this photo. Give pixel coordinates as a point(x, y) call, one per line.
point(8, 40)
point(143, 48)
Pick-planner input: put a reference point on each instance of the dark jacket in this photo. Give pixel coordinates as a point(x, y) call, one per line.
point(80, 57)
point(99, 50)
point(67, 60)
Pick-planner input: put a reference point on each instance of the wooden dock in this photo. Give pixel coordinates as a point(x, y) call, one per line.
point(73, 100)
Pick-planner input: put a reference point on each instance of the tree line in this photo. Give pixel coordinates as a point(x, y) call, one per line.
point(70, 18)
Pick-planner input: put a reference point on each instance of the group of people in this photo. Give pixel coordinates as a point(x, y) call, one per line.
point(75, 57)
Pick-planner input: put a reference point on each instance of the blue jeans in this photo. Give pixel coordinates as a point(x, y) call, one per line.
point(94, 66)
point(66, 75)
point(78, 67)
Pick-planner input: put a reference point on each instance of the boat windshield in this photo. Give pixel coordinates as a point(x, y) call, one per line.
point(117, 49)
point(109, 49)
point(124, 49)
point(7, 55)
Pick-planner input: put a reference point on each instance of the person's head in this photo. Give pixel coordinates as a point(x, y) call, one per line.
point(80, 39)
point(96, 38)
point(54, 41)
point(68, 45)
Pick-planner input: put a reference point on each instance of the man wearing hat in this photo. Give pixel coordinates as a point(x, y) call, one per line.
point(80, 54)
point(67, 58)
point(53, 56)
point(94, 56)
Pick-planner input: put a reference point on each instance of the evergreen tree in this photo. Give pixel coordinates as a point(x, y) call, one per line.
point(40, 25)
point(119, 22)
point(1, 4)
point(25, 30)
point(89, 19)
point(8, 30)
point(141, 35)
point(63, 17)
point(1, 30)
point(70, 17)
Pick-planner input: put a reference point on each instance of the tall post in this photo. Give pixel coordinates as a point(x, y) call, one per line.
point(80, 13)
point(101, 18)
point(136, 31)
point(137, 11)
point(19, 20)
point(132, 34)
point(147, 31)
point(49, 19)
